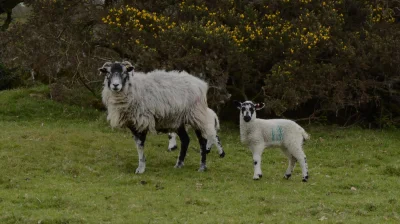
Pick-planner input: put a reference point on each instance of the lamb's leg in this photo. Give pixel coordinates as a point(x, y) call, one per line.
point(257, 153)
point(140, 138)
point(292, 162)
point(172, 141)
point(221, 151)
point(203, 147)
point(301, 158)
point(184, 137)
point(210, 143)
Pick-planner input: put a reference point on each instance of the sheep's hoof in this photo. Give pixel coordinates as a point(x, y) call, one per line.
point(179, 164)
point(140, 169)
point(202, 168)
point(305, 179)
point(173, 148)
point(287, 176)
point(257, 176)
point(208, 151)
point(222, 155)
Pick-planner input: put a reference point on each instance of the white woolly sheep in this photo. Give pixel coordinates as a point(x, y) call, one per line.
point(156, 101)
point(213, 118)
point(260, 133)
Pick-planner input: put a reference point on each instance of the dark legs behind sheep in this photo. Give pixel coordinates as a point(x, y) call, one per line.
point(140, 138)
point(203, 147)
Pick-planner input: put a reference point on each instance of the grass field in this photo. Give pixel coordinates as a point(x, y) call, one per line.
point(63, 164)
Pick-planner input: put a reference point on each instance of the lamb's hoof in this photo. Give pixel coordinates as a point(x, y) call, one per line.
point(257, 176)
point(208, 151)
point(202, 168)
point(173, 148)
point(140, 169)
point(305, 179)
point(287, 176)
point(222, 155)
point(179, 164)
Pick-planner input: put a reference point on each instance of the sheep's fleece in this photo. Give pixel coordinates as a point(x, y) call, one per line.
point(158, 100)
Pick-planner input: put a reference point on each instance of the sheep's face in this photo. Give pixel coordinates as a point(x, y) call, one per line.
point(116, 74)
point(248, 109)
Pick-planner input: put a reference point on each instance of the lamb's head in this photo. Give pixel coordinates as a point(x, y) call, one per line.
point(116, 74)
point(248, 109)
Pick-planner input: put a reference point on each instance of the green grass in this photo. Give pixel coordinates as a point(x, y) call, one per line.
point(63, 164)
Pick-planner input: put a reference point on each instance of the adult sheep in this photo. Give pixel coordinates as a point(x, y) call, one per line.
point(158, 101)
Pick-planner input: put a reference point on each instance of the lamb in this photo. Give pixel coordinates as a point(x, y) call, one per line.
point(156, 101)
point(260, 133)
point(213, 118)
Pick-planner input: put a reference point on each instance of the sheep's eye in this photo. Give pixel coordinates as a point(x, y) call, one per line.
point(243, 109)
point(251, 110)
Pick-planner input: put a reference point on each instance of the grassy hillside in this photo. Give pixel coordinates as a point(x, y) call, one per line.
point(63, 164)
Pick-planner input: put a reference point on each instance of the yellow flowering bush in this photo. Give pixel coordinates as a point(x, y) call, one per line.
point(284, 50)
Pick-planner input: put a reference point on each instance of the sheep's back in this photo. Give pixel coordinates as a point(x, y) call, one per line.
point(168, 97)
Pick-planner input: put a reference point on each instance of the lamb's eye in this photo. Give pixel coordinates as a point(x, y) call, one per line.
point(251, 110)
point(243, 109)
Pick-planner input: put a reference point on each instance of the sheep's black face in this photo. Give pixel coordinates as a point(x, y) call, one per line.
point(248, 109)
point(116, 75)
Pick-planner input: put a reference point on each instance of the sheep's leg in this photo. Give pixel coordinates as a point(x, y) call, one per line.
point(203, 147)
point(257, 152)
point(184, 137)
point(301, 158)
point(140, 138)
point(292, 163)
point(172, 141)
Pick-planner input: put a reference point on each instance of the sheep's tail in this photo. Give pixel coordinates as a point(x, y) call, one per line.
point(216, 123)
point(305, 135)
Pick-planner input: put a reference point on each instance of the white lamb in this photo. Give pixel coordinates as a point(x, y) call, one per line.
point(260, 133)
point(156, 101)
point(213, 118)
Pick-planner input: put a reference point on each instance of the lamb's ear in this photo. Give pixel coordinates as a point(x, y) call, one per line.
point(237, 104)
point(128, 65)
point(259, 106)
point(106, 68)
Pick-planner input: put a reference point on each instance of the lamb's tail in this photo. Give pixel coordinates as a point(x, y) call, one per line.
point(305, 135)
point(212, 115)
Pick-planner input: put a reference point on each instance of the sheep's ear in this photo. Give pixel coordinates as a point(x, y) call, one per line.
point(103, 70)
point(259, 106)
point(106, 68)
point(129, 67)
point(237, 104)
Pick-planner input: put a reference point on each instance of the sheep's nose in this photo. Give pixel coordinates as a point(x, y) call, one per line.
point(115, 85)
point(247, 118)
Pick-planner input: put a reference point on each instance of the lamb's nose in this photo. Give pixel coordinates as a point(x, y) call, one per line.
point(115, 85)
